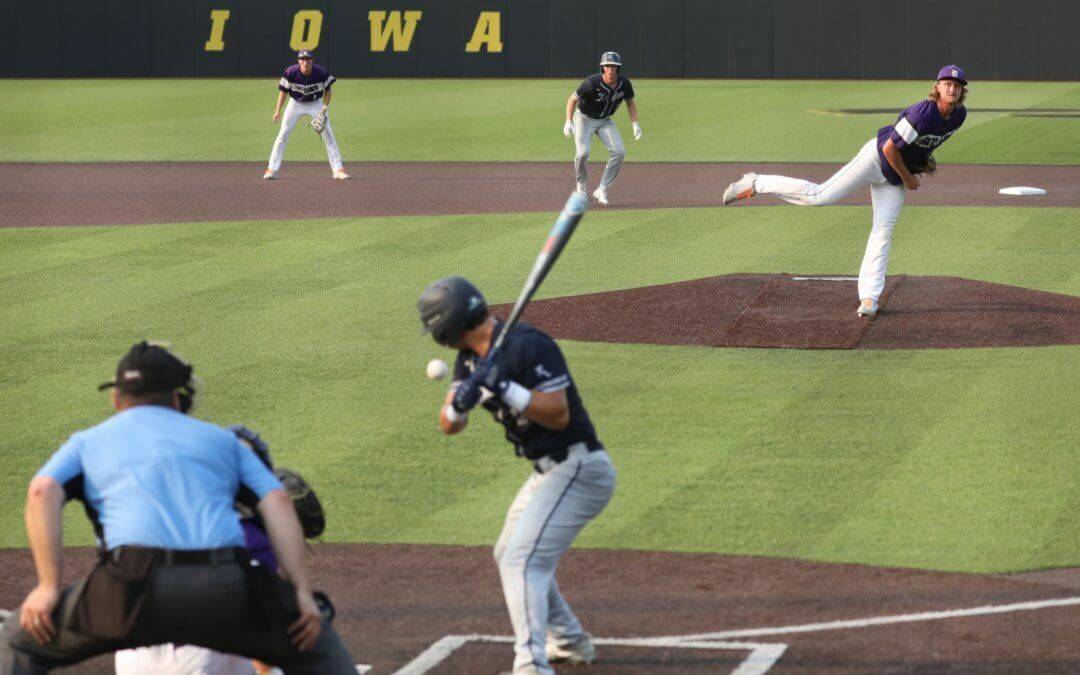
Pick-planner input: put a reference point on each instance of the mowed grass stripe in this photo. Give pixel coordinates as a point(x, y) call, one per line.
point(520, 120)
point(308, 332)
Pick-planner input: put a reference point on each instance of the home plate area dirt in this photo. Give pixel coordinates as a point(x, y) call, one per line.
point(401, 606)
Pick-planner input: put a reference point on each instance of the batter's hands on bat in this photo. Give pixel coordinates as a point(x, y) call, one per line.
point(467, 395)
point(637, 130)
point(568, 129)
point(36, 613)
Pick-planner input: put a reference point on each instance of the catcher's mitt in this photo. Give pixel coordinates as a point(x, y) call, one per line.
point(318, 122)
point(921, 164)
point(308, 508)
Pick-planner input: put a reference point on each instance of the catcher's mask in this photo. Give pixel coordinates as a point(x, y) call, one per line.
point(611, 59)
point(150, 367)
point(255, 442)
point(449, 307)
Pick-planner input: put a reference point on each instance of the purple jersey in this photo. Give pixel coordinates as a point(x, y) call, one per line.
point(257, 543)
point(306, 88)
point(917, 132)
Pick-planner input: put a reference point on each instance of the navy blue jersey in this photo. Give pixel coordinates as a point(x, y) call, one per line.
point(533, 360)
point(597, 100)
point(306, 88)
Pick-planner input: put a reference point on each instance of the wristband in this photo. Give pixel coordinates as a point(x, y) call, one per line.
point(517, 396)
point(454, 416)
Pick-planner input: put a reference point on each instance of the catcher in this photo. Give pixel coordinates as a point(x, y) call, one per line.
point(889, 163)
point(170, 659)
point(308, 88)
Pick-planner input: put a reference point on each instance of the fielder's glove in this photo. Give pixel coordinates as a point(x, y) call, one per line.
point(318, 122)
point(568, 129)
point(308, 508)
point(921, 164)
point(637, 131)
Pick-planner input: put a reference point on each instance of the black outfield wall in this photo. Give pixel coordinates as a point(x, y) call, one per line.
point(991, 39)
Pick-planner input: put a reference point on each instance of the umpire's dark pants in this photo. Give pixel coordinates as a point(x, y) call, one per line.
point(204, 605)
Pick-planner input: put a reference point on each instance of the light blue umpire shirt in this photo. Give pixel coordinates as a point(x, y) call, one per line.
point(159, 478)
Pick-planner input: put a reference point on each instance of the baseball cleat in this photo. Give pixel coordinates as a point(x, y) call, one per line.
point(600, 195)
point(341, 175)
point(740, 189)
point(269, 174)
point(867, 308)
point(581, 652)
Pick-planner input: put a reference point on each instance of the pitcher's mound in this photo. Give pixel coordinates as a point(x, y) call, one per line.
point(813, 312)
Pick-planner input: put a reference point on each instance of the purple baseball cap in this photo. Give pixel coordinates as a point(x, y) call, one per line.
point(952, 73)
point(305, 54)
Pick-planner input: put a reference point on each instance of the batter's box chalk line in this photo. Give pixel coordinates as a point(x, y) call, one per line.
point(762, 655)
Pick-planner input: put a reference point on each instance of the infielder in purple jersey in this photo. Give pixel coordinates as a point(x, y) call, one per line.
point(884, 163)
point(307, 86)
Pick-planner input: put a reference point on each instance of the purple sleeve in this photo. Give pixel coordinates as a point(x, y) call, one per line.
point(913, 121)
point(583, 89)
point(66, 463)
point(258, 544)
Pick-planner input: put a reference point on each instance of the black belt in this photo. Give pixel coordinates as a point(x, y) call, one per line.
point(168, 556)
point(550, 461)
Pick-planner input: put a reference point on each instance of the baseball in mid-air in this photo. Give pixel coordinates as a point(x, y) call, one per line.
point(437, 369)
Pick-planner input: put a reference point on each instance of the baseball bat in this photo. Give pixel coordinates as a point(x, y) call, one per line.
point(565, 225)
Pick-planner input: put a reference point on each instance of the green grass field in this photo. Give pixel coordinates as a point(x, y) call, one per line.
point(950, 459)
point(514, 120)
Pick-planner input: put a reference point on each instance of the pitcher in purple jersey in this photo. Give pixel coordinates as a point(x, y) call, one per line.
point(884, 163)
point(307, 86)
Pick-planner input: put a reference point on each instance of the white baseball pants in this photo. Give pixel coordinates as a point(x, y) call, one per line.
point(886, 198)
point(545, 517)
point(170, 659)
point(608, 133)
point(293, 112)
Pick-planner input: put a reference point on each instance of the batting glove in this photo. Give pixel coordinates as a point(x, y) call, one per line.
point(491, 378)
point(466, 396)
point(637, 131)
point(568, 129)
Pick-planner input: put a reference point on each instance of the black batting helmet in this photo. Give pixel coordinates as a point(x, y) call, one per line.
point(611, 59)
point(449, 307)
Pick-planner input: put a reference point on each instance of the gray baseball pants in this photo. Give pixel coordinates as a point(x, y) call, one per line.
point(608, 133)
point(548, 513)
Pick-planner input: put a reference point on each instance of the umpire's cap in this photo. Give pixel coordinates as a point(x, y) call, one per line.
point(150, 367)
point(611, 59)
point(449, 307)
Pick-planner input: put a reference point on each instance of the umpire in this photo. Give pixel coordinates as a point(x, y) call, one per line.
point(161, 486)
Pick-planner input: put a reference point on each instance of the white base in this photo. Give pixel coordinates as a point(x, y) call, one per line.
point(1021, 191)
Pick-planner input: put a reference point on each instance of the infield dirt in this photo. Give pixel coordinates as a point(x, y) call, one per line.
point(394, 601)
point(51, 194)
